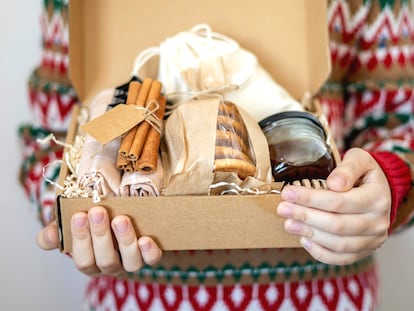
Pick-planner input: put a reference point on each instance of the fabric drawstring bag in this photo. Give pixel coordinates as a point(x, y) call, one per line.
point(199, 61)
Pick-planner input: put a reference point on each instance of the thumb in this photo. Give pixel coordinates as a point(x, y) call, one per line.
point(47, 238)
point(355, 164)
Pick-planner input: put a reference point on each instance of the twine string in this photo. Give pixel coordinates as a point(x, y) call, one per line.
point(217, 92)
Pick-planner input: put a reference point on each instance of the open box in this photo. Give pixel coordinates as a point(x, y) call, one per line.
point(290, 39)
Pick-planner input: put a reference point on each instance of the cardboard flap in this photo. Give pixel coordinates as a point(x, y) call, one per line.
point(290, 38)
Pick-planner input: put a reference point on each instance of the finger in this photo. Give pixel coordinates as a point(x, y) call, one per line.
point(338, 244)
point(336, 223)
point(106, 257)
point(127, 243)
point(82, 248)
point(348, 173)
point(48, 238)
point(150, 251)
point(355, 201)
point(330, 257)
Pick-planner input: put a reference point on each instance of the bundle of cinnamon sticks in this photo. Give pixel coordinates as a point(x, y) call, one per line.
point(140, 145)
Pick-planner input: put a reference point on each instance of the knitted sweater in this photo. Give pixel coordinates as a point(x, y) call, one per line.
point(369, 102)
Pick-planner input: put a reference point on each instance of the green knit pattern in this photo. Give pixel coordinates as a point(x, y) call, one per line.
point(282, 270)
point(58, 5)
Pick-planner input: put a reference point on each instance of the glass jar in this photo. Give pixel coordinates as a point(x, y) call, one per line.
point(297, 145)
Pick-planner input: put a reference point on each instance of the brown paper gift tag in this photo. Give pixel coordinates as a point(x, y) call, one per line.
point(114, 123)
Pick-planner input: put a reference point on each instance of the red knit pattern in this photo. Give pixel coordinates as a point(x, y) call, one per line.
point(399, 177)
point(347, 293)
point(358, 49)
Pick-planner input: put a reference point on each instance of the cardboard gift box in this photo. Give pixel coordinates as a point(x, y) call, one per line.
point(290, 39)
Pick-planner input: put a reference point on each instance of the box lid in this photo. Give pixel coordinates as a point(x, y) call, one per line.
point(290, 38)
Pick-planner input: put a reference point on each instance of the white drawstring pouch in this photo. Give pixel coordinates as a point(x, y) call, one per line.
point(200, 61)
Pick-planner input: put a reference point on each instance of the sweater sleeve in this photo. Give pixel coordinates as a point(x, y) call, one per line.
point(399, 178)
point(39, 169)
point(51, 98)
point(369, 97)
point(379, 96)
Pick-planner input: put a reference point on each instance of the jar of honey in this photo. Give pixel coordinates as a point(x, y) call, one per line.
point(297, 145)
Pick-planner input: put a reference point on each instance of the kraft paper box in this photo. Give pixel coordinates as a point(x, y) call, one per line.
point(290, 39)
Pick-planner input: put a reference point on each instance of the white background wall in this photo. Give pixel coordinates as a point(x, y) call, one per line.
point(35, 280)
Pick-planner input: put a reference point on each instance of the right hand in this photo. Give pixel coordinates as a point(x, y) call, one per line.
point(93, 249)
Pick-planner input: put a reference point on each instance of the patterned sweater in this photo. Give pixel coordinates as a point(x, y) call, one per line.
point(369, 101)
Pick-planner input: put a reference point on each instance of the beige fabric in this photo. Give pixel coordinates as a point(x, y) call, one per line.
point(97, 171)
point(200, 61)
point(135, 184)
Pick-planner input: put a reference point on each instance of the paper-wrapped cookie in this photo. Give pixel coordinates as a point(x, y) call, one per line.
point(207, 141)
point(232, 149)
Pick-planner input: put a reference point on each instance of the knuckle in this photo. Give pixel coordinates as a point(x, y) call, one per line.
point(99, 231)
point(382, 227)
point(383, 238)
point(302, 217)
point(342, 246)
point(309, 233)
point(81, 235)
point(153, 257)
point(305, 197)
point(133, 267)
point(128, 240)
point(338, 204)
point(152, 260)
point(84, 265)
point(344, 261)
point(337, 226)
point(319, 257)
point(107, 264)
point(385, 204)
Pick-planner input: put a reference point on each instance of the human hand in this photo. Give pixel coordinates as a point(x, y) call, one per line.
point(47, 238)
point(349, 220)
point(93, 248)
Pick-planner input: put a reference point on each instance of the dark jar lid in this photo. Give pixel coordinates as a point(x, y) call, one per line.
point(289, 114)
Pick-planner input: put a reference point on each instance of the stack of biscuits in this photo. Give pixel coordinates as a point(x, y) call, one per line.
point(232, 150)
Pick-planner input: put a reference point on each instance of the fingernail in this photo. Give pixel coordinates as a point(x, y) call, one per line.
point(79, 221)
point(284, 210)
point(289, 194)
point(145, 245)
point(97, 217)
point(293, 226)
point(306, 243)
point(121, 226)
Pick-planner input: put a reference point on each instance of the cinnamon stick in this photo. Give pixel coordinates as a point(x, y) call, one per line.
point(143, 127)
point(133, 91)
point(129, 167)
point(147, 162)
point(140, 102)
point(143, 93)
point(121, 162)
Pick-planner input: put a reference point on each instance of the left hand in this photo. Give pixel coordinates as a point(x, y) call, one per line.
point(349, 220)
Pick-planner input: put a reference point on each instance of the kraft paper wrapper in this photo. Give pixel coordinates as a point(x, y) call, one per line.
point(188, 149)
